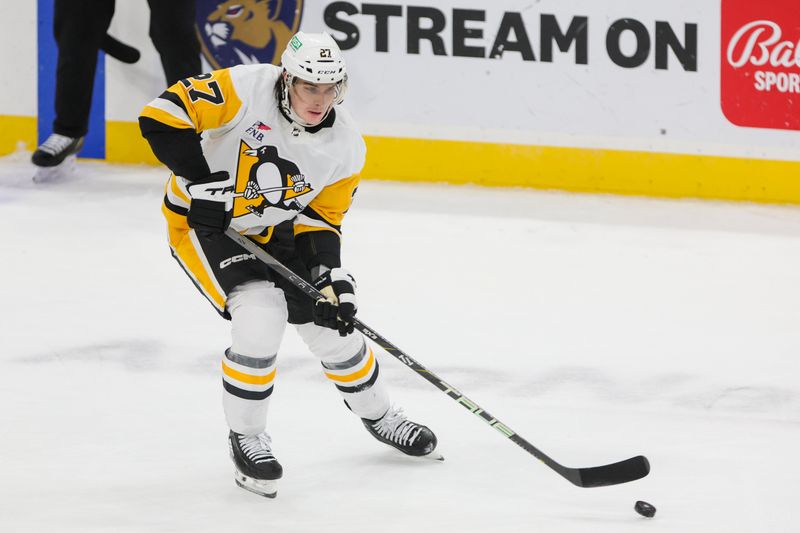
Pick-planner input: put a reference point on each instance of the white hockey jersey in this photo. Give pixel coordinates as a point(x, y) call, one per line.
point(309, 176)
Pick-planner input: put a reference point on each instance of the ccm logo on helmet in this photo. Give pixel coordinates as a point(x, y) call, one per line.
point(236, 259)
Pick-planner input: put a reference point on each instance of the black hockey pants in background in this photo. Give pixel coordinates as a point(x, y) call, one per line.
point(173, 34)
point(79, 27)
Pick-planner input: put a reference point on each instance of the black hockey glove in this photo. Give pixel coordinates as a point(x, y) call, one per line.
point(338, 308)
point(211, 208)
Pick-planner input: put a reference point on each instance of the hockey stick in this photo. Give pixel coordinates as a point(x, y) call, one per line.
point(262, 191)
point(597, 476)
point(119, 50)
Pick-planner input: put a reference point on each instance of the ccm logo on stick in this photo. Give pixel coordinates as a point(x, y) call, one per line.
point(236, 259)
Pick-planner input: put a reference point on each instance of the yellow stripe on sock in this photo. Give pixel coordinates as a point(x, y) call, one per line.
point(357, 374)
point(247, 378)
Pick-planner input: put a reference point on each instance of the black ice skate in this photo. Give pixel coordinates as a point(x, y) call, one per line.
point(56, 157)
point(399, 432)
point(257, 470)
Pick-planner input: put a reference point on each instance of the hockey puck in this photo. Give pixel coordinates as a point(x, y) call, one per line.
point(645, 509)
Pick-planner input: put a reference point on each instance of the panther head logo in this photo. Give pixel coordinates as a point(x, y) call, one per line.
point(246, 31)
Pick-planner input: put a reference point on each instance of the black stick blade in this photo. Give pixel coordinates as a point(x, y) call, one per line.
point(613, 474)
point(119, 50)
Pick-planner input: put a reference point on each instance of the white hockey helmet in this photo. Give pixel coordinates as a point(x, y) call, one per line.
point(315, 58)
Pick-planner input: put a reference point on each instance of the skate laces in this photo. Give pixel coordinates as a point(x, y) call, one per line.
point(55, 144)
point(396, 427)
point(257, 448)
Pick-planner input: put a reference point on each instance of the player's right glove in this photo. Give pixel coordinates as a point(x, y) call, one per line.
point(338, 307)
point(211, 206)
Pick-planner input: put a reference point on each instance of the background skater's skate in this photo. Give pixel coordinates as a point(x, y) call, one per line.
point(55, 157)
point(257, 470)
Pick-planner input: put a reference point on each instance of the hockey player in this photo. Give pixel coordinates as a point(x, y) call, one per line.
point(269, 152)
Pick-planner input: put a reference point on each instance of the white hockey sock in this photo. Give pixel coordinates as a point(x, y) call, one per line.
point(258, 318)
point(351, 366)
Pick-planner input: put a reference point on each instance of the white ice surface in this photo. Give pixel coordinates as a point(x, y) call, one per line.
point(597, 327)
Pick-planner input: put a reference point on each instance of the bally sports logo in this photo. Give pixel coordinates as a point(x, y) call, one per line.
point(761, 63)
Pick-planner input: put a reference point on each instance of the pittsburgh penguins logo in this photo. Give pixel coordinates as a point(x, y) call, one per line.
point(266, 180)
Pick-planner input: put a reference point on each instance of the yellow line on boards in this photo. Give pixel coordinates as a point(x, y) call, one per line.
point(17, 133)
point(509, 165)
point(584, 169)
point(125, 144)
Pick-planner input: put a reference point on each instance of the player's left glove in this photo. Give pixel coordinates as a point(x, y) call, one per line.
point(338, 308)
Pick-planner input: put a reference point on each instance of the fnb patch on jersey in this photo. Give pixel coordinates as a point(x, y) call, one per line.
point(257, 130)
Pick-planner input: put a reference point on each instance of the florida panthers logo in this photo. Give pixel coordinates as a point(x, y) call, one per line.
point(246, 31)
point(264, 180)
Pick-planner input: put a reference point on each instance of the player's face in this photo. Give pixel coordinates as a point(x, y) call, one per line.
point(311, 101)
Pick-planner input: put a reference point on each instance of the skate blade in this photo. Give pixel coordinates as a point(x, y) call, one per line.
point(57, 173)
point(267, 488)
point(433, 456)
